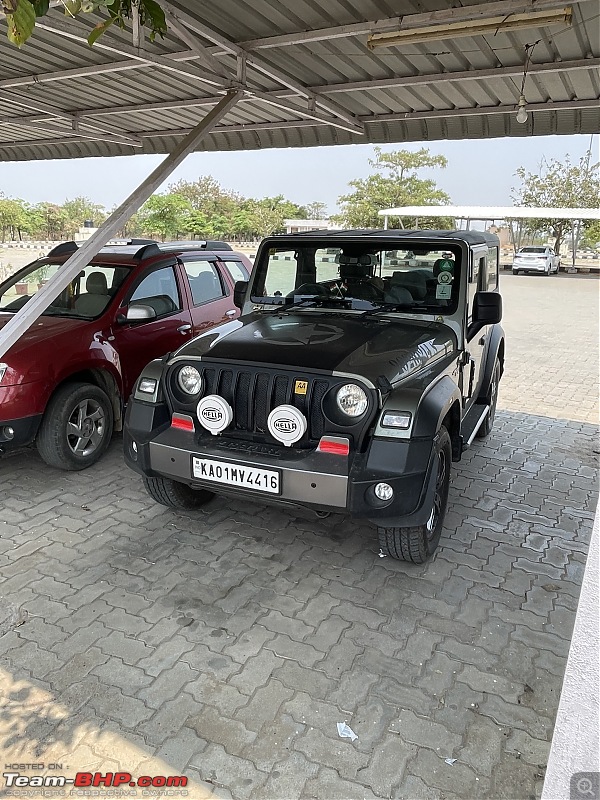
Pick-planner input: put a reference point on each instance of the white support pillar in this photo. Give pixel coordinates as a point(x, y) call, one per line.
point(385, 222)
point(25, 318)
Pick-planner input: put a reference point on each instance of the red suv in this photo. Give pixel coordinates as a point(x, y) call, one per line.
point(66, 381)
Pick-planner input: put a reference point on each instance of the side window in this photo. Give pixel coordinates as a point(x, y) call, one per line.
point(477, 278)
point(205, 281)
point(159, 291)
point(493, 266)
point(237, 270)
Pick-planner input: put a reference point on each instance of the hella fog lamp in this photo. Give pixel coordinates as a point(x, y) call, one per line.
point(352, 400)
point(147, 385)
point(383, 491)
point(9, 433)
point(189, 380)
point(396, 419)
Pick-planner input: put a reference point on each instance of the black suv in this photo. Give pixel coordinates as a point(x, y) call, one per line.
point(363, 364)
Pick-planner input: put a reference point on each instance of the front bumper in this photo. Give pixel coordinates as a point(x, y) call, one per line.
point(23, 432)
point(310, 479)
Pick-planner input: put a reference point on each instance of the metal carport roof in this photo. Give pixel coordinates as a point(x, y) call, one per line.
point(307, 74)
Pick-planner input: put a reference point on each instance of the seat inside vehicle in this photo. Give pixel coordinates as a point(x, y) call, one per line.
point(356, 271)
point(96, 296)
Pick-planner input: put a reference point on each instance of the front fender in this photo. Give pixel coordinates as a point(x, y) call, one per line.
point(435, 406)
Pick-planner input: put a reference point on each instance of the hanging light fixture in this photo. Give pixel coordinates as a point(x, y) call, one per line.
point(522, 114)
point(522, 110)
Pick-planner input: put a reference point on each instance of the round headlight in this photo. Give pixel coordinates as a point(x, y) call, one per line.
point(190, 380)
point(352, 400)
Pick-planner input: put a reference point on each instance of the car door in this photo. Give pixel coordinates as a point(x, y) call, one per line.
point(211, 296)
point(477, 281)
point(139, 342)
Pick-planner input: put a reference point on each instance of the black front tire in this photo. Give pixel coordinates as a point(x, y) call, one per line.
point(418, 543)
point(77, 427)
point(176, 495)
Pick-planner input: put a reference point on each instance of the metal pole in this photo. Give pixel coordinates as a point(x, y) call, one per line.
point(25, 318)
point(385, 222)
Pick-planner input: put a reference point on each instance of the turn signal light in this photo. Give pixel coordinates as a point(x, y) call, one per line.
point(336, 445)
point(182, 422)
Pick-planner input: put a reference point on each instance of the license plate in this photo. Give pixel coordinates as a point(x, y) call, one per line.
point(260, 480)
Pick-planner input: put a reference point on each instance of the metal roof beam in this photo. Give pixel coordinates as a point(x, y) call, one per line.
point(574, 105)
point(78, 132)
point(258, 63)
point(18, 324)
point(333, 88)
point(94, 69)
point(204, 56)
point(480, 111)
point(385, 83)
point(71, 31)
point(311, 113)
point(464, 75)
point(408, 21)
point(98, 130)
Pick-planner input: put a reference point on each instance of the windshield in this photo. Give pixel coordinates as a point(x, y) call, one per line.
point(87, 296)
point(532, 250)
point(423, 280)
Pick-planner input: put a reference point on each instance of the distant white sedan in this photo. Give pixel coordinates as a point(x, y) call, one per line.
point(536, 259)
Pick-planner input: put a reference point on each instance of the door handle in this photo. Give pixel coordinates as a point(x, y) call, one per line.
point(231, 313)
point(183, 329)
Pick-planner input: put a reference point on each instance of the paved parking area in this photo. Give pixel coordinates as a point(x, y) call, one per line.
point(225, 644)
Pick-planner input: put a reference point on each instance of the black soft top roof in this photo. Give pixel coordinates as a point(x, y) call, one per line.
point(469, 237)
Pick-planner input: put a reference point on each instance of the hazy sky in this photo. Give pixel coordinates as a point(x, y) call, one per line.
point(478, 172)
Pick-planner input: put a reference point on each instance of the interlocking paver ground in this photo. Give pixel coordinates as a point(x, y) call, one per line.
point(226, 644)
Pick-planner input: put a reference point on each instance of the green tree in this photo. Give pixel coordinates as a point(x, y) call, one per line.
point(21, 15)
point(395, 183)
point(268, 215)
point(316, 210)
point(13, 218)
point(81, 209)
point(591, 237)
point(165, 215)
point(559, 184)
point(52, 221)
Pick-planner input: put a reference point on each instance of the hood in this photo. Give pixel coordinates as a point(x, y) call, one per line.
point(371, 347)
point(45, 333)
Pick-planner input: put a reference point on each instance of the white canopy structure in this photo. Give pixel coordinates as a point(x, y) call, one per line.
point(490, 213)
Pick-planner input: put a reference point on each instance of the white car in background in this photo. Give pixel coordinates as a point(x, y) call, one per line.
point(536, 259)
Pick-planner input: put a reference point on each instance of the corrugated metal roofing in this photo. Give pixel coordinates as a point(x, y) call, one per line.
point(60, 98)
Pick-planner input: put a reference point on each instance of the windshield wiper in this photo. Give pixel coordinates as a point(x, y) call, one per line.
point(323, 301)
point(383, 308)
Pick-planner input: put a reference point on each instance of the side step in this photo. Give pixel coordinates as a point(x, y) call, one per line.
point(472, 422)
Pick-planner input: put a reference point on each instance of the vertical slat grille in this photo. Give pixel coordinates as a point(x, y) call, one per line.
point(281, 393)
point(253, 395)
point(316, 419)
point(262, 406)
point(242, 402)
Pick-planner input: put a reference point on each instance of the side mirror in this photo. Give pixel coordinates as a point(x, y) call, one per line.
point(487, 310)
point(138, 313)
point(239, 293)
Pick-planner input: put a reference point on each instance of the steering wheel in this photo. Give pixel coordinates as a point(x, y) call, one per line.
point(310, 289)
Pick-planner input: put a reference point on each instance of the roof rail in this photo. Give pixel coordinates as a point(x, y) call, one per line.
point(150, 249)
point(63, 248)
point(195, 244)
